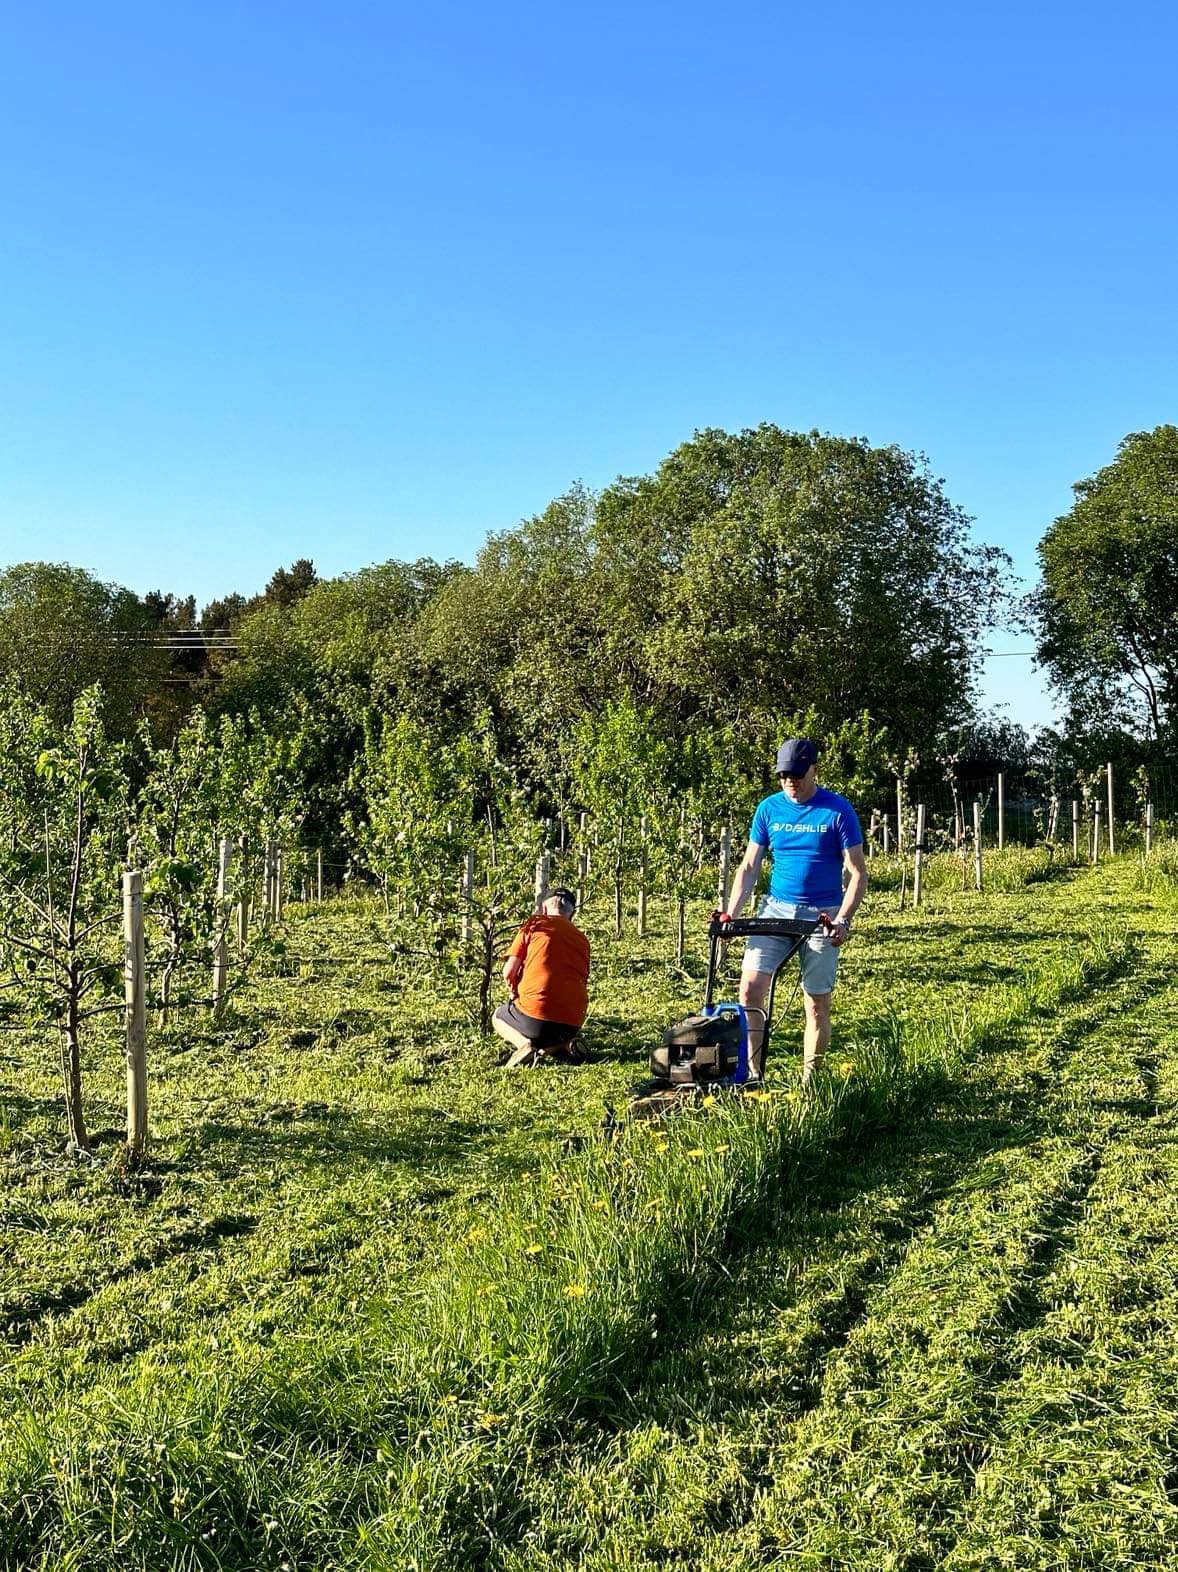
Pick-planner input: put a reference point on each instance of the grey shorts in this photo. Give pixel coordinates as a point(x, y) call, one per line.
point(820, 959)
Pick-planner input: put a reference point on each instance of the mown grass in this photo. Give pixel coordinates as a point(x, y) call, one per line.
point(378, 1315)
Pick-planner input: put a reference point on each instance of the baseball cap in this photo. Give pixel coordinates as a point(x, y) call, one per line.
point(796, 756)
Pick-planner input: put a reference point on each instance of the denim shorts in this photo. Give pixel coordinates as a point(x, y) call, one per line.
point(820, 959)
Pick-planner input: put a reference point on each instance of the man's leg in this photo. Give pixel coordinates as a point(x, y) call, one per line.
point(754, 995)
point(817, 1039)
point(503, 1028)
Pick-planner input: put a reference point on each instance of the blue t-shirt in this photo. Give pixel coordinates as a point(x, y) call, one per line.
point(807, 841)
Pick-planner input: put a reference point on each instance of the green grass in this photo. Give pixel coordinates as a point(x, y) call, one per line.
point(369, 1306)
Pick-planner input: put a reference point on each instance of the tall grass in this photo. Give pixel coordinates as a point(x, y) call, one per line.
point(386, 1432)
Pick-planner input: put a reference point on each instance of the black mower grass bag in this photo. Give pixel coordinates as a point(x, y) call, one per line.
point(700, 1049)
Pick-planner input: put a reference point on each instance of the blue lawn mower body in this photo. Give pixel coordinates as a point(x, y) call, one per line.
point(711, 1050)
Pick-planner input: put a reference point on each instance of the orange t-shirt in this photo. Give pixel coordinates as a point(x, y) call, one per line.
point(556, 970)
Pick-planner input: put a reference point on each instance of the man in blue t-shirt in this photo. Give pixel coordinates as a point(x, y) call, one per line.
point(813, 837)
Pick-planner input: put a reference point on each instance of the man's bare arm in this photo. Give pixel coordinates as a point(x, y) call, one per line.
point(745, 881)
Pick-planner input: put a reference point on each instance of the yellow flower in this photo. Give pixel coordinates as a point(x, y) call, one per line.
point(847, 1070)
point(709, 1101)
point(534, 1249)
point(450, 1397)
point(697, 1151)
point(576, 1291)
point(475, 1234)
point(487, 1420)
point(663, 1146)
point(721, 1148)
point(601, 1206)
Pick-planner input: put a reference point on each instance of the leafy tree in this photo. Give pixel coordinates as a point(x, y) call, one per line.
point(62, 630)
point(1107, 607)
point(175, 842)
point(64, 825)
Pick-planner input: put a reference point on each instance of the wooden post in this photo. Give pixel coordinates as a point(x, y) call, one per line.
point(543, 877)
point(268, 883)
point(467, 897)
point(899, 814)
point(1075, 829)
point(279, 880)
point(1096, 833)
point(135, 1014)
point(642, 871)
point(725, 867)
point(1148, 829)
point(562, 834)
point(977, 843)
point(1001, 810)
point(872, 831)
point(887, 835)
point(319, 874)
point(221, 945)
point(1112, 843)
point(919, 855)
point(243, 896)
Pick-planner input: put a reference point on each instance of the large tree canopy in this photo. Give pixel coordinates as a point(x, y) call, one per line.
point(62, 630)
point(1107, 608)
point(753, 575)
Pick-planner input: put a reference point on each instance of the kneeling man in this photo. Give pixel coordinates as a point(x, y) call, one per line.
point(547, 975)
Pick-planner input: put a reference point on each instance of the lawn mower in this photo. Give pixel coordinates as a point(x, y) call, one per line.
point(709, 1051)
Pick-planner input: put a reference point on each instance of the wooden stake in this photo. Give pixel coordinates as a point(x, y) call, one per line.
point(1096, 833)
point(135, 1012)
point(725, 867)
point(642, 870)
point(1112, 844)
point(319, 874)
point(279, 880)
point(467, 897)
point(977, 843)
point(243, 898)
point(887, 835)
point(221, 946)
point(1148, 828)
point(1001, 810)
point(1075, 829)
point(871, 832)
point(899, 814)
point(919, 855)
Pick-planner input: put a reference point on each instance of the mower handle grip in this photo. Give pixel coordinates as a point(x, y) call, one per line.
point(769, 927)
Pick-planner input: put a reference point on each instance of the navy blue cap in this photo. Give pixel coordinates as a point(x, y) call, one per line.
point(796, 756)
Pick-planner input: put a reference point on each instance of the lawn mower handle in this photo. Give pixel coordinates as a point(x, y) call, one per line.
point(793, 928)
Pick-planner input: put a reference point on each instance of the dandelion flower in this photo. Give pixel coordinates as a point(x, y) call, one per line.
point(847, 1070)
point(724, 1148)
point(709, 1101)
point(488, 1420)
point(576, 1291)
point(533, 1249)
point(663, 1146)
point(697, 1151)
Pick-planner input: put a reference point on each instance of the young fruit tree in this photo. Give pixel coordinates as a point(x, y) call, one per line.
point(64, 828)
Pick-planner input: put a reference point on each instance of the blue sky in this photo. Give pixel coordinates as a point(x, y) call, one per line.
point(370, 280)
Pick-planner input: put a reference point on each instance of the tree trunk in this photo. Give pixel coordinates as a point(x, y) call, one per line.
point(71, 1069)
point(488, 972)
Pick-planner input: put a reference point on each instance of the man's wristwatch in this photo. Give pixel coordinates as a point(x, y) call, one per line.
point(841, 922)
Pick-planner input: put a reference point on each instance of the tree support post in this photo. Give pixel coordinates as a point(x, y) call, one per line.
point(1112, 841)
point(1001, 810)
point(135, 1013)
point(221, 946)
point(977, 843)
point(917, 872)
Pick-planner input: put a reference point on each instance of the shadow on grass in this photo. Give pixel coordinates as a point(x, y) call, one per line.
point(314, 1135)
